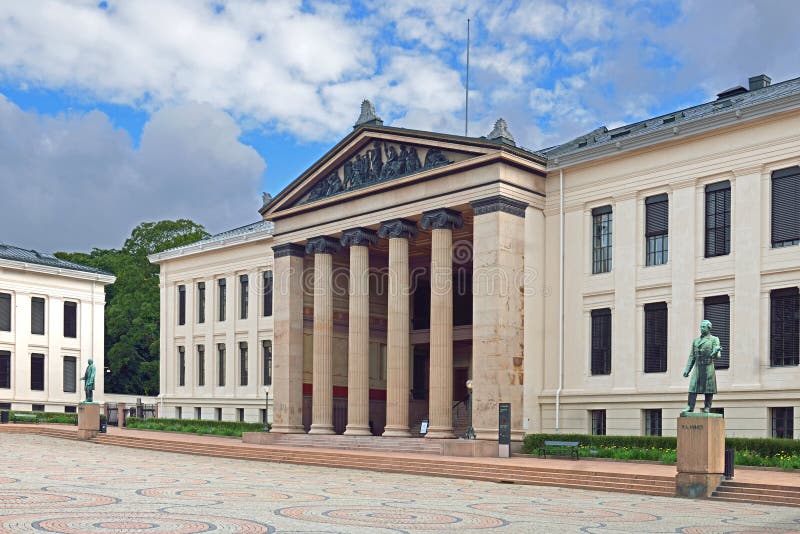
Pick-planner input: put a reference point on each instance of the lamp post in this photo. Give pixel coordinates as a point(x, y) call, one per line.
point(470, 431)
point(266, 409)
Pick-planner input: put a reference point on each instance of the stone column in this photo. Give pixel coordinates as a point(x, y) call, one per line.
point(397, 345)
point(359, 240)
point(323, 249)
point(287, 349)
point(440, 409)
point(498, 309)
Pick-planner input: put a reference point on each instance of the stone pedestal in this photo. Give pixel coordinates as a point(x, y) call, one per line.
point(88, 420)
point(701, 454)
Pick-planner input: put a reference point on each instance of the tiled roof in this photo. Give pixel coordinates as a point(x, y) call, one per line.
point(742, 100)
point(9, 252)
point(252, 228)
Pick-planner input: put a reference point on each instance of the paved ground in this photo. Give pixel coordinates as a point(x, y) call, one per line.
point(53, 485)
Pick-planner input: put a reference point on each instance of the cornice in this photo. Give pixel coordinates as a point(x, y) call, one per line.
point(200, 247)
point(288, 249)
point(56, 271)
point(499, 203)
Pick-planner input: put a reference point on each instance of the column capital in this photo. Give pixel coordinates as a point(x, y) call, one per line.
point(395, 228)
point(288, 249)
point(358, 237)
point(441, 219)
point(322, 245)
point(499, 203)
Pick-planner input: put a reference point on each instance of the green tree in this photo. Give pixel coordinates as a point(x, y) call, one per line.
point(132, 302)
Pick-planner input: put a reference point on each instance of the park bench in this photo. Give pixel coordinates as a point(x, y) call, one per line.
point(24, 418)
point(570, 447)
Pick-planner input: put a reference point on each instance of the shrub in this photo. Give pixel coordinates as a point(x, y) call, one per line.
point(194, 426)
point(48, 417)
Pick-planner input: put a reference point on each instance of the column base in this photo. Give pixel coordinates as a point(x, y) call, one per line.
point(696, 485)
point(357, 430)
point(321, 429)
point(288, 429)
point(440, 433)
point(396, 432)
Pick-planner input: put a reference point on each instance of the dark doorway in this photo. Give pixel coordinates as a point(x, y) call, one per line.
point(460, 377)
point(421, 372)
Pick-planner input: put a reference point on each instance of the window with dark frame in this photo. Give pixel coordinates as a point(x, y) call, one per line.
point(243, 363)
point(784, 325)
point(37, 372)
point(655, 337)
point(37, 407)
point(201, 365)
point(240, 414)
point(602, 239)
point(181, 366)
point(218, 414)
point(198, 412)
point(222, 299)
point(70, 409)
point(652, 422)
point(5, 312)
point(221, 364)
point(657, 229)
point(718, 311)
point(598, 422)
point(267, 294)
point(37, 315)
point(785, 213)
point(70, 319)
point(244, 297)
point(181, 304)
point(718, 219)
point(5, 369)
point(178, 412)
point(70, 374)
point(601, 341)
point(782, 422)
point(266, 348)
point(201, 302)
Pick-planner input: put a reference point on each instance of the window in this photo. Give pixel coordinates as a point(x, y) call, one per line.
point(243, 363)
point(198, 413)
point(267, 293)
point(655, 337)
point(218, 414)
point(718, 219)
point(652, 422)
point(37, 407)
point(266, 349)
point(657, 229)
point(70, 409)
point(201, 365)
point(5, 312)
point(178, 412)
point(601, 341)
point(37, 315)
point(37, 372)
point(221, 364)
point(784, 346)
point(718, 311)
point(263, 412)
point(201, 302)
point(181, 366)
point(181, 304)
point(782, 422)
point(5, 369)
point(601, 247)
point(720, 411)
point(240, 414)
point(598, 422)
point(70, 319)
point(70, 373)
point(222, 298)
point(244, 285)
point(785, 214)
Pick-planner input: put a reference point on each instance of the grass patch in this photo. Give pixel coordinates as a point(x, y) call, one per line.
point(195, 426)
point(47, 417)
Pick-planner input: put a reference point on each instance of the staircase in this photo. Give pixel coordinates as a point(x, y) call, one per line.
point(757, 493)
point(342, 442)
point(68, 432)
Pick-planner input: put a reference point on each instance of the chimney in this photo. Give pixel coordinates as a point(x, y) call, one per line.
point(759, 82)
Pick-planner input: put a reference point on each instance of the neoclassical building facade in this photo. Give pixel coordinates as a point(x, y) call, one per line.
point(568, 282)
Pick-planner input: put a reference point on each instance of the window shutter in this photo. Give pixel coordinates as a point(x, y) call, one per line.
point(70, 319)
point(243, 363)
point(70, 372)
point(602, 210)
point(657, 215)
point(5, 312)
point(718, 311)
point(655, 337)
point(267, 293)
point(718, 219)
point(785, 210)
point(601, 341)
point(267, 348)
point(37, 372)
point(5, 369)
point(37, 315)
point(785, 327)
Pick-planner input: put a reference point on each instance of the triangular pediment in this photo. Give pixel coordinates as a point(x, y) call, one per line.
point(374, 156)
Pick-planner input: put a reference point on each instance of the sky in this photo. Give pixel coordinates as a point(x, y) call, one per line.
point(117, 112)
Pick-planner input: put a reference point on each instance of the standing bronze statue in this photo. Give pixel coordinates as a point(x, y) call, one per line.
point(88, 376)
point(705, 349)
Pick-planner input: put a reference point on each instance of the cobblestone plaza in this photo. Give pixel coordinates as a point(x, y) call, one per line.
point(86, 487)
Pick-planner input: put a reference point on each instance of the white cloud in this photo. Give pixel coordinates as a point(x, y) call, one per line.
point(68, 176)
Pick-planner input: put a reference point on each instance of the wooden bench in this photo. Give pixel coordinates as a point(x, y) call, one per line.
point(570, 446)
point(24, 418)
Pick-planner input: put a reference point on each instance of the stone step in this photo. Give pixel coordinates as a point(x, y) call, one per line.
point(762, 489)
point(750, 485)
point(756, 498)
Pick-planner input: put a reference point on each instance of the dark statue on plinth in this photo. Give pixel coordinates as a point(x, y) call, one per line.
point(88, 376)
point(705, 349)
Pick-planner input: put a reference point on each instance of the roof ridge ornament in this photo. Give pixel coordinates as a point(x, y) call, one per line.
point(501, 134)
point(368, 116)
